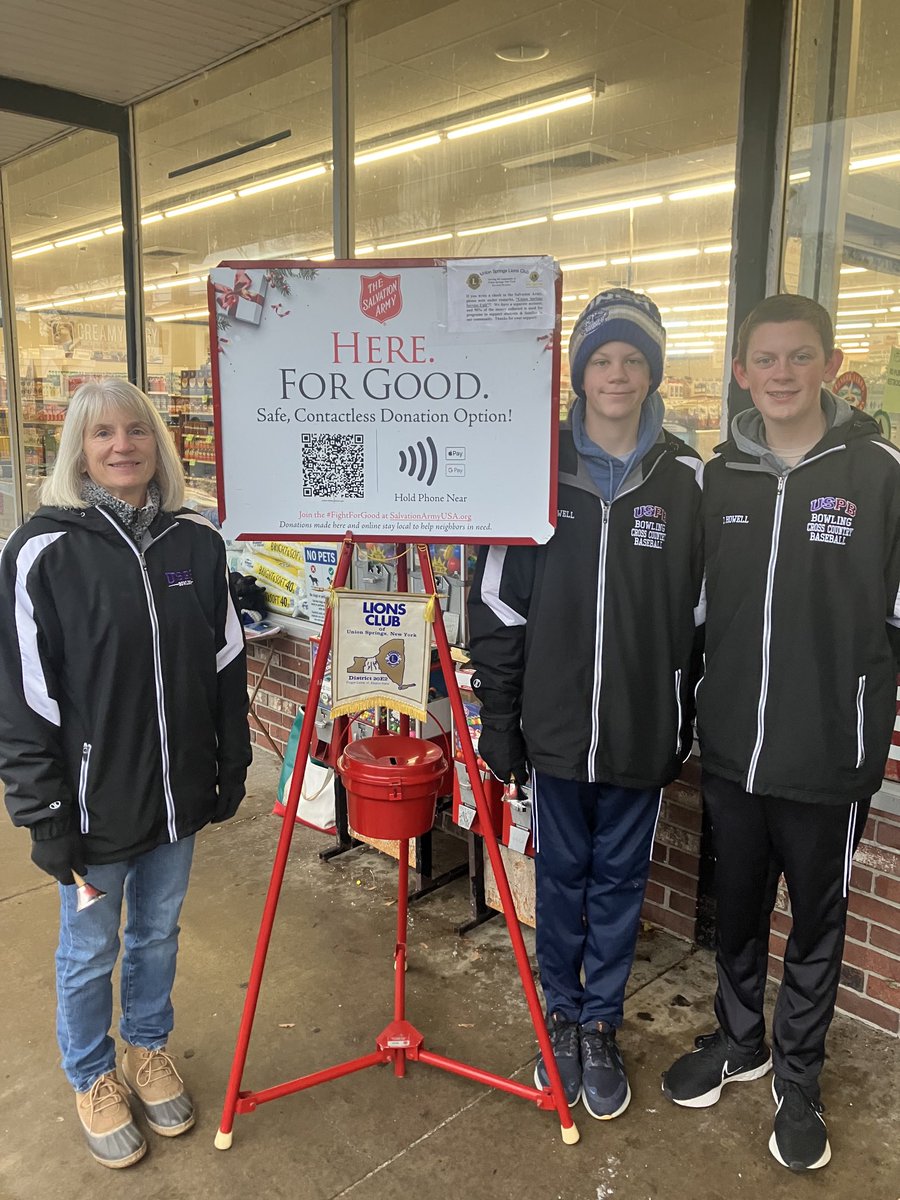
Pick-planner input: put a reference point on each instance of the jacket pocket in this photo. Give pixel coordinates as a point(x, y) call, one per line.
point(678, 714)
point(82, 786)
point(860, 721)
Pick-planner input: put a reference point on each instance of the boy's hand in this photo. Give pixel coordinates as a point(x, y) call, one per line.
point(504, 753)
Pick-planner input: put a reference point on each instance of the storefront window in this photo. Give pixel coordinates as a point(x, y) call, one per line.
point(842, 229)
point(555, 129)
point(65, 230)
point(235, 164)
point(7, 497)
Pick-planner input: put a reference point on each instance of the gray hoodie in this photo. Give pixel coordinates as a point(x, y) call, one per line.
point(606, 470)
point(749, 431)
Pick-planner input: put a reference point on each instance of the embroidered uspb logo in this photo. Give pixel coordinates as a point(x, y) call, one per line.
point(180, 578)
point(831, 520)
point(649, 529)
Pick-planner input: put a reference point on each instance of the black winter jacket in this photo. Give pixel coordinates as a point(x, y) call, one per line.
point(123, 694)
point(803, 570)
point(590, 638)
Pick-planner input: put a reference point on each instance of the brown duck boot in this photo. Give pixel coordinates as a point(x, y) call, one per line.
point(152, 1077)
point(105, 1115)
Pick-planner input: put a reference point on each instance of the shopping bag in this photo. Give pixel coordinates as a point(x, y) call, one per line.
point(316, 805)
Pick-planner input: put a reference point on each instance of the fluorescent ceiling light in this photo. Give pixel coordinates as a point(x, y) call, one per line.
point(799, 176)
point(718, 248)
point(713, 307)
point(111, 229)
point(700, 285)
point(267, 185)
point(709, 189)
point(854, 325)
point(572, 296)
point(177, 281)
point(321, 258)
point(209, 202)
point(33, 250)
point(499, 228)
point(526, 113)
point(887, 324)
point(658, 256)
point(855, 294)
point(420, 241)
point(100, 296)
point(168, 317)
point(198, 312)
point(152, 219)
point(82, 237)
point(392, 150)
point(860, 312)
point(693, 335)
point(853, 270)
point(877, 160)
point(360, 250)
point(596, 210)
point(584, 266)
point(62, 302)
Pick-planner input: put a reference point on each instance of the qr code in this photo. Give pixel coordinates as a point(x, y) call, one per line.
point(334, 465)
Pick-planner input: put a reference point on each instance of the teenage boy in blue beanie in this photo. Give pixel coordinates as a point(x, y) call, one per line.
point(583, 651)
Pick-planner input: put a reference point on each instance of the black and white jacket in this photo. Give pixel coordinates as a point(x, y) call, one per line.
point(590, 638)
point(123, 693)
point(803, 570)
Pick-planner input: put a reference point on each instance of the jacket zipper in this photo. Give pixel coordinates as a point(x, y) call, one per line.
point(678, 711)
point(598, 653)
point(860, 722)
point(82, 786)
point(601, 614)
point(157, 675)
point(767, 635)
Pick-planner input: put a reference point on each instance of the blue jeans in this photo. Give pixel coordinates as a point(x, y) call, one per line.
point(592, 856)
point(153, 886)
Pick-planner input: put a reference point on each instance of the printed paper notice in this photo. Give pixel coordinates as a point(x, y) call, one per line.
point(502, 293)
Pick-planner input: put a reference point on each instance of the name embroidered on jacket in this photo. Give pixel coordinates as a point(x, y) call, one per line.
point(649, 528)
point(565, 512)
point(180, 578)
point(735, 519)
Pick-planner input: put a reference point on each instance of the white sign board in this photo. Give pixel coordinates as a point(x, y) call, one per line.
point(409, 400)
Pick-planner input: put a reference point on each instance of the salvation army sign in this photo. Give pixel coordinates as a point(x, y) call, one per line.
point(410, 400)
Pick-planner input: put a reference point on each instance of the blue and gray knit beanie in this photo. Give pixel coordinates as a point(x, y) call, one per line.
point(617, 315)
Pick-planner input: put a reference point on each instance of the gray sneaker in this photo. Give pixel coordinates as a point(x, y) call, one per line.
point(105, 1114)
point(152, 1077)
point(567, 1052)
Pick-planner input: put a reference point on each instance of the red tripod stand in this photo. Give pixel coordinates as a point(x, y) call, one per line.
point(399, 1042)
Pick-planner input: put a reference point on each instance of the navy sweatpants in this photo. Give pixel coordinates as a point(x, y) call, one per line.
point(592, 857)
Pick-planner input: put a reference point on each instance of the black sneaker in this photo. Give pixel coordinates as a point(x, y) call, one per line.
point(604, 1084)
point(567, 1052)
point(799, 1140)
point(696, 1080)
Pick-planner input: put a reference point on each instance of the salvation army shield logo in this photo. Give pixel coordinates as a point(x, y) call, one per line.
point(380, 297)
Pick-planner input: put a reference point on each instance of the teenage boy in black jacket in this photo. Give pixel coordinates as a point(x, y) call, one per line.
point(795, 711)
point(583, 650)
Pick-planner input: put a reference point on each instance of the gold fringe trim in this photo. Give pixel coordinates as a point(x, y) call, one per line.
point(360, 703)
point(430, 608)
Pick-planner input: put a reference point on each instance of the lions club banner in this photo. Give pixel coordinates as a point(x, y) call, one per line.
point(381, 652)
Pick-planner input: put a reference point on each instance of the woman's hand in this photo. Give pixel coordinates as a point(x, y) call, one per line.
point(59, 855)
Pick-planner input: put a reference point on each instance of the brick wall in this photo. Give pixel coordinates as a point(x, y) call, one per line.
point(870, 979)
point(284, 686)
point(870, 988)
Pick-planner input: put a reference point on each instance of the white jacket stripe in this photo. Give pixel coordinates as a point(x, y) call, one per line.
point(234, 633)
point(34, 682)
point(234, 630)
point(490, 588)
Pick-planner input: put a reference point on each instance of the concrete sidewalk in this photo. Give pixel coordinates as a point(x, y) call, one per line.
point(327, 993)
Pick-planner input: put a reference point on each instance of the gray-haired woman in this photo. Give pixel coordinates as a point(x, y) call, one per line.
point(123, 731)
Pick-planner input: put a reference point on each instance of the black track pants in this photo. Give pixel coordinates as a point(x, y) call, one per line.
point(755, 839)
